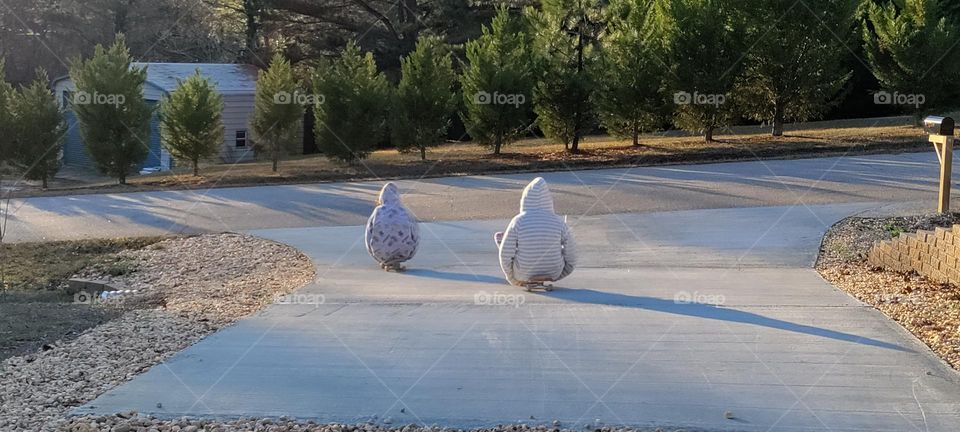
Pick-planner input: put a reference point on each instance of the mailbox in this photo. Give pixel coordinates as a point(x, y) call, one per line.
point(936, 125)
point(941, 135)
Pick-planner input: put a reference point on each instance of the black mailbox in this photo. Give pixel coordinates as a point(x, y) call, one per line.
point(935, 125)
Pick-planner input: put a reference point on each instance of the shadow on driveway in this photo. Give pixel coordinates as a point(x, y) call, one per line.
point(709, 311)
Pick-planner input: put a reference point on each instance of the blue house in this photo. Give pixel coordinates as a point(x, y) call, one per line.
point(237, 84)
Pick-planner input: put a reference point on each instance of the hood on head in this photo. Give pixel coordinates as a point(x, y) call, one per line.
point(536, 196)
point(390, 194)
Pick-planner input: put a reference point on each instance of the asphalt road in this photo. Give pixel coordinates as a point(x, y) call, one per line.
point(903, 178)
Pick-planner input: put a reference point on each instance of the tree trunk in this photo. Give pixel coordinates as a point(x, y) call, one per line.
point(778, 116)
point(44, 180)
point(122, 179)
point(423, 153)
point(708, 134)
point(276, 161)
point(196, 168)
point(253, 10)
point(497, 143)
point(636, 135)
point(120, 16)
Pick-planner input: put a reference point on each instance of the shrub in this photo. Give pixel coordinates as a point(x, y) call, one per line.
point(424, 100)
point(276, 113)
point(498, 81)
point(6, 92)
point(566, 34)
point(352, 118)
point(191, 126)
point(797, 68)
point(705, 50)
point(631, 93)
point(113, 116)
point(38, 130)
point(911, 50)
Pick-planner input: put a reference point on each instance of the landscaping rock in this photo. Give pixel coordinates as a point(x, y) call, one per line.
point(927, 308)
point(91, 286)
point(183, 289)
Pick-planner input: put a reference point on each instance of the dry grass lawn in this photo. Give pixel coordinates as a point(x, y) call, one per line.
point(462, 158)
point(35, 310)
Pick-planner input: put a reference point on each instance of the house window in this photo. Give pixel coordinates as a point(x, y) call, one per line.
point(241, 138)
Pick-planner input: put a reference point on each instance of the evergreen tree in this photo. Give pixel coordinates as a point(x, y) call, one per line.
point(911, 49)
point(113, 116)
point(352, 118)
point(38, 130)
point(631, 92)
point(566, 35)
point(705, 51)
point(191, 126)
point(497, 81)
point(951, 9)
point(277, 110)
point(6, 92)
point(424, 100)
point(799, 63)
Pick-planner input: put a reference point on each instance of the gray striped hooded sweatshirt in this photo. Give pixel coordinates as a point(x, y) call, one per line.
point(392, 234)
point(538, 245)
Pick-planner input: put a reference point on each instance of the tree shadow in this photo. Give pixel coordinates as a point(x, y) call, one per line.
point(709, 311)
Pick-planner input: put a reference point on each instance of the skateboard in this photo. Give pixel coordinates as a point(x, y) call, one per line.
point(396, 268)
point(538, 286)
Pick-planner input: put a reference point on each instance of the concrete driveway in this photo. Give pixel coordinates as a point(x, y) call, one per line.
point(907, 177)
point(678, 318)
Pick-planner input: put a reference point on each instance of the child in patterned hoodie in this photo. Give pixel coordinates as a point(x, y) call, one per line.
point(538, 246)
point(392, 234)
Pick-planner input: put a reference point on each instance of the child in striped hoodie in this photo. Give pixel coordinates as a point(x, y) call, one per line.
point(392, 234)
point(537, 246)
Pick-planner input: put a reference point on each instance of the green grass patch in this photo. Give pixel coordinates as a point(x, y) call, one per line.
point(33, 311)
point(45, 266)
point(894, 229)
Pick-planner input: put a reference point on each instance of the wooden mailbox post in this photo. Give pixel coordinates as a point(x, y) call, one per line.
point(941, 135)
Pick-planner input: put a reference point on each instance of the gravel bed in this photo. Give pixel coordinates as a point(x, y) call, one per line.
point(186, 288)
point(928, 309)
point(132, 422)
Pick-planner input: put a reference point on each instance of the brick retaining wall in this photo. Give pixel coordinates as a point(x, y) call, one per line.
point(930, 253)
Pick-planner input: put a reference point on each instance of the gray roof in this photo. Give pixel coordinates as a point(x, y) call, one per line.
point(229, 78)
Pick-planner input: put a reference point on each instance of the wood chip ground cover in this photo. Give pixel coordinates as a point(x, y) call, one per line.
point(930, 310)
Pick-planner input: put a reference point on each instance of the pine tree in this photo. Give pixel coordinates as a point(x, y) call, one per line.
point(113, 116)
point(352, 118)
point(631, 93)
point(798, 65)
point(38, 130)
point(705, 51)
point(191, 126)
point(951, 9)
point(498, 81)
point(912, 51)
point(425, 98)
point(566, 36)
point(6, 92)
point(277, 111)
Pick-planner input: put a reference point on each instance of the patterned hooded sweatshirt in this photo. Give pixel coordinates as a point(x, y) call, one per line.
point(392, 234)
point(538, 245)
